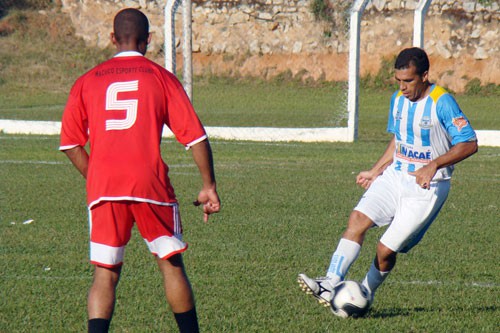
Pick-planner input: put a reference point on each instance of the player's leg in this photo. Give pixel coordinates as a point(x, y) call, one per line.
point(349, 246)
point(110, 224)
point(345, 254)
point(179, 293)
point(384, 262)
point(101, 298)
point(416, 211)
point(161, 228)
point(375, 208)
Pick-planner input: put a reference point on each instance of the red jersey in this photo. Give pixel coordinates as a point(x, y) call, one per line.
point(122, 105)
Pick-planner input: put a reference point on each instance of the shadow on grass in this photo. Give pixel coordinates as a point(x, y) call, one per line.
point(404, 312)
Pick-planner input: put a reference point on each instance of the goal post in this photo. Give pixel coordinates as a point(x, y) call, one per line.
point(353, 84)
point(418, 22)
point(169, 12)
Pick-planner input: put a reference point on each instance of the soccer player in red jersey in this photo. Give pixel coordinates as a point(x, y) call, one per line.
point(121, 107)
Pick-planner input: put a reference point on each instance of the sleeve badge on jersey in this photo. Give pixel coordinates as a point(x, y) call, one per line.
point(460, 123)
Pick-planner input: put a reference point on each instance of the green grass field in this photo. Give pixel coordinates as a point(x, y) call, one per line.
point(284, 208)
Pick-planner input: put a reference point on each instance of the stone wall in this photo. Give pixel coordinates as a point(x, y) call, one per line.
point(268, 37)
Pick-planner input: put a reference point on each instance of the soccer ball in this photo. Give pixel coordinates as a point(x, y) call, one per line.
point(351, 299)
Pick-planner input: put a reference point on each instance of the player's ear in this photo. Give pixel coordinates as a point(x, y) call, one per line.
point(150, 35)
point(425, 76)
point(112, 38)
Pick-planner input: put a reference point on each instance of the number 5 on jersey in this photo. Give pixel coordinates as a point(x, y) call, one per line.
point(129, 105)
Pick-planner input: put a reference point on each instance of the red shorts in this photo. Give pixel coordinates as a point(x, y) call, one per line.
point(111, 225)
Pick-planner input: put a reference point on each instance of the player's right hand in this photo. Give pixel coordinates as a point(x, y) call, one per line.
point(365, 179)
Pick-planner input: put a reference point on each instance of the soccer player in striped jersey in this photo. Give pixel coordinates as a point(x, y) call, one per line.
point(407, 187)
point(121, 107)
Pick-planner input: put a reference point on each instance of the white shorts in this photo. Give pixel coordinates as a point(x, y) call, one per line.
point(395, 199)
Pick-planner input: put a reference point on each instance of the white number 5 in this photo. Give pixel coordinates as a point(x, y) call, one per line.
point(129, 105)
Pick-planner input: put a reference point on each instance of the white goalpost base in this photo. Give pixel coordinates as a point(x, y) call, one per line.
point(489, 138)
point(270, 134)
point(227, 133)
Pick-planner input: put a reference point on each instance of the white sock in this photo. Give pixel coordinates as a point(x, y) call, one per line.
point(374, 278)
point(346, 253)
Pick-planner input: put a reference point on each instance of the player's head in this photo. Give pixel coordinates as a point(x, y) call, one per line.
point(413, 56)
point(131, 27)
point(412, 73)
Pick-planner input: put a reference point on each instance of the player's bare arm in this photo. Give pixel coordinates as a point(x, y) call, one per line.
point(366, 178)
point(208, 197)
point(457, 153)
point(80, 159)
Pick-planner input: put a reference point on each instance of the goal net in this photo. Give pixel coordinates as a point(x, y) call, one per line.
point(342, 122)
point(336, 125)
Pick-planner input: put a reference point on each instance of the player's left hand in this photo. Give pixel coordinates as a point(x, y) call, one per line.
point(424, 175)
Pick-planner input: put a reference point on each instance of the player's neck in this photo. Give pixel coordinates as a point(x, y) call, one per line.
point(425, 92)
point(131, 47)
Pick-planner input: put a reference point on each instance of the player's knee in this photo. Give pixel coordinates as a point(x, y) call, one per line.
point(105, 276)
point(358, 224)
point(386, 258)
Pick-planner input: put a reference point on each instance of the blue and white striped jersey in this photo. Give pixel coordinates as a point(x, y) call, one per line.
point(426, 129)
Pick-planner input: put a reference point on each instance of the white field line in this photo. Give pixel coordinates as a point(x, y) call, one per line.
point(474, 284)
point(444, 283)
point(173, 166)
point(171, 140)
point(184, 169)
point(267, 134)
point(32, 162)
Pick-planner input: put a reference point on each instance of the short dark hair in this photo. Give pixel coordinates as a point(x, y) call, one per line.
point(413, 56)
point(131, 24)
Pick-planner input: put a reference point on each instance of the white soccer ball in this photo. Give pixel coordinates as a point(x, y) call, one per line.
point(351, 299)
